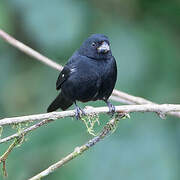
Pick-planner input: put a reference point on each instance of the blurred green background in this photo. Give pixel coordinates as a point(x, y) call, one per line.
point(145, 40)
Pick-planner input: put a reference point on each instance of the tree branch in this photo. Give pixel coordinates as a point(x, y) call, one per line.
point(162, 108)
point(129, 99)
point(49, 117)
point(110, 126)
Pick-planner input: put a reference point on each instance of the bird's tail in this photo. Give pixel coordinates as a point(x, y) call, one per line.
point(60, 102)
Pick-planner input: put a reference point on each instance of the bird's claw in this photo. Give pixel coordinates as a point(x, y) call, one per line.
point(112, 108)
point(79, 112)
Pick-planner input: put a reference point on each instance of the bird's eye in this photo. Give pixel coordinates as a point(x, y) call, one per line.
point(93, 44)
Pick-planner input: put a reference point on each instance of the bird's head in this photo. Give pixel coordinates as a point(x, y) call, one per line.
point(96, 46)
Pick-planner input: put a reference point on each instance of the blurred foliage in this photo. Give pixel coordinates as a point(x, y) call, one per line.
point(145, 40)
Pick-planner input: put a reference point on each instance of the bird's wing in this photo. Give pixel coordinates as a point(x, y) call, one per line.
point(67, 70)
point(64, 74)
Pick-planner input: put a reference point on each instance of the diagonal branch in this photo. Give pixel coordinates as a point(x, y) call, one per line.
point(109, 127)
point(29, 51)
point(129, 99)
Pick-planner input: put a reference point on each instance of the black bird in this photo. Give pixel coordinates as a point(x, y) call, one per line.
point(89, 75)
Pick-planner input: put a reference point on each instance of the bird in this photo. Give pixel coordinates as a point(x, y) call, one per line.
point(90, 74)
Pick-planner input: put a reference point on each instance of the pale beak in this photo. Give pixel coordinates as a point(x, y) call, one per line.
point(103, 48)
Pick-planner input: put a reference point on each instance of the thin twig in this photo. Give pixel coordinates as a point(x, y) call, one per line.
point(25, 131)
point(4, 157)
point(79, 150)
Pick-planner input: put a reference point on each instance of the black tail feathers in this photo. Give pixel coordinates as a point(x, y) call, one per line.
point(60, 102)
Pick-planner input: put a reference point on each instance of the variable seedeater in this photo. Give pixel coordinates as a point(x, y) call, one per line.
point(89, 75)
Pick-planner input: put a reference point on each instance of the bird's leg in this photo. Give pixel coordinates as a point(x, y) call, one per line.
point(111, 107)
point(78, 111)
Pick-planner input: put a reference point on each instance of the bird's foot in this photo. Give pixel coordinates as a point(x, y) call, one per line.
point(79, 112)
point(111, 107)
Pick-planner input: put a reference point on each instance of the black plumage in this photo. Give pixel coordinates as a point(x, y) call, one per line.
point(89, 75)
